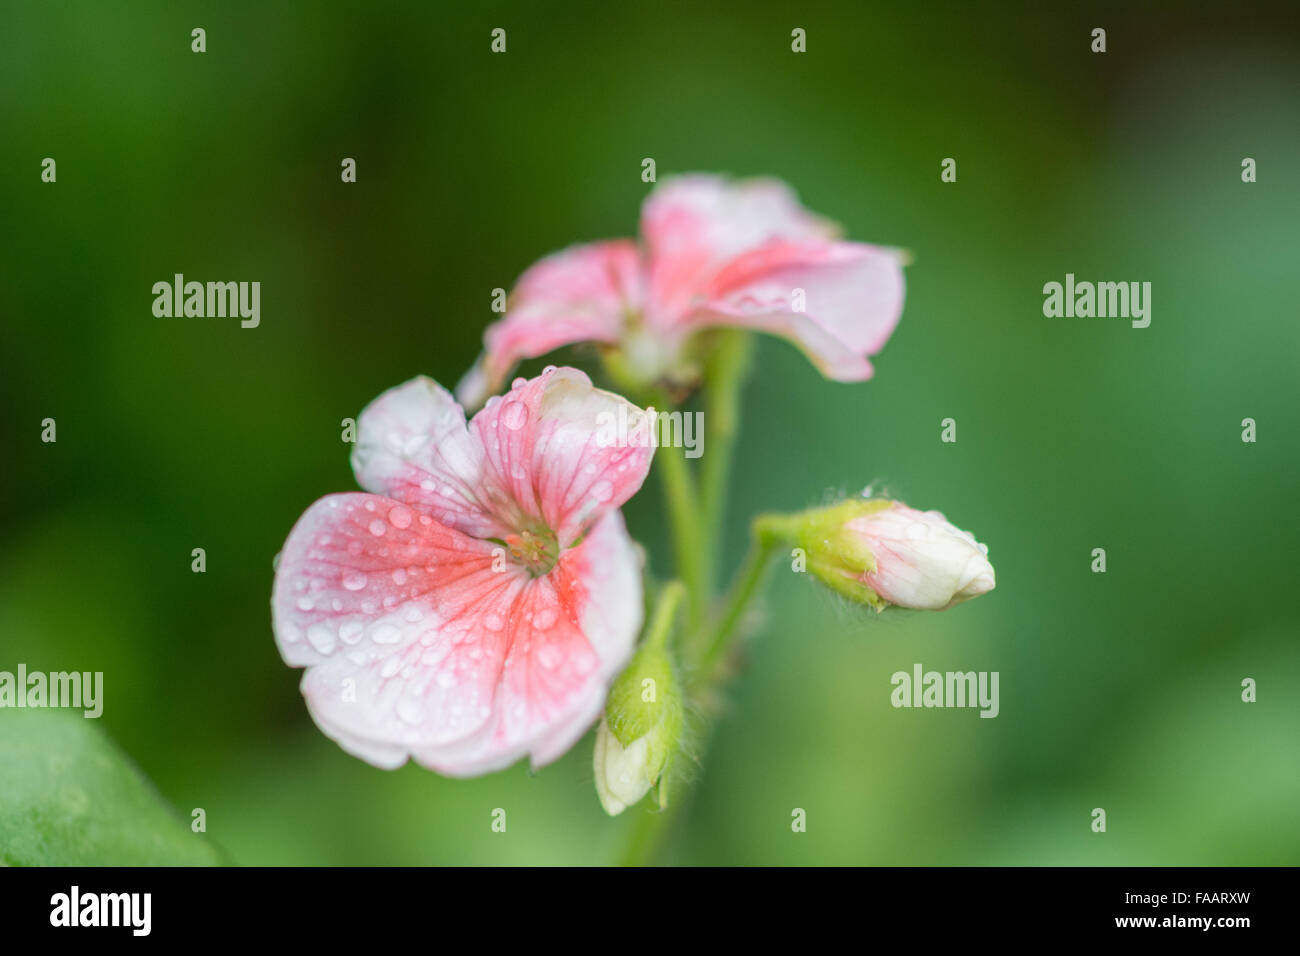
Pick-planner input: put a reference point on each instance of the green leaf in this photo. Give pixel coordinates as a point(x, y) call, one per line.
point(70, 797)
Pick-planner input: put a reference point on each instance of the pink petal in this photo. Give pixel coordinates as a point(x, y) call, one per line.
point(693, 225)
point(579, 294)
point(853, 297)
point(553, 445)
point(570, 633)
point(415, 645)
point(413, 445)
point(608, 566)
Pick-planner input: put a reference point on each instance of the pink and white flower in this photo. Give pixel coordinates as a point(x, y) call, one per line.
point(714, 253)
point(474, 606)
point(922, 561)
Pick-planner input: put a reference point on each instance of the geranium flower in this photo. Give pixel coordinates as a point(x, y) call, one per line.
point(474, 607)
point(922, 560)
point(881, 552)
point(713, 253)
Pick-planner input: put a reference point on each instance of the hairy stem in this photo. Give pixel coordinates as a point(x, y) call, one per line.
point(744, 587)
point(665, 614)
point(725, 374)
point(684, 522)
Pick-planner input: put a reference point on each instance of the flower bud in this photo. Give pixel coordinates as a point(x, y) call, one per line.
point(881, 552)
point(640, 733)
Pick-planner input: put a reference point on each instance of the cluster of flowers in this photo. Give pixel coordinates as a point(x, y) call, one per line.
point(478, 602)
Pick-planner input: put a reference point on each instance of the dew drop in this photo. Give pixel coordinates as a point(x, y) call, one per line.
point(354, 580)
point(377, 528)
point(602, 491)
point(385, 634)
point(321, 638)
point(400, 517)
point(514, 415)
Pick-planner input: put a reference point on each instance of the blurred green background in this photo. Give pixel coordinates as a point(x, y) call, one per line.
point(1119, 691)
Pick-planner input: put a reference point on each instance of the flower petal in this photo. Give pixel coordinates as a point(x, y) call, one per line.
point(922, 560)
point(579, 294)
point(413, 445)
point(571, 632)
point(607, 565)
point(693, 225)
point(852, 298)
point(554, 445)
point(416, 645)
point(384, 608)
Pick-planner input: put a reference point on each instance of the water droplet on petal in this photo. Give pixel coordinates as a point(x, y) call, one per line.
point(400, 517)
point(545, 618)
point(377, 528)
point(514, 415)
point(602, 491)
point(354, 580)
point(321, 638)
point(385, 634)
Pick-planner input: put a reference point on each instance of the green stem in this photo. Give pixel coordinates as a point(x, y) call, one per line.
point(684, 521)
point(745, 585)
point(649, 831)
point(665, 613)
point(726, 372)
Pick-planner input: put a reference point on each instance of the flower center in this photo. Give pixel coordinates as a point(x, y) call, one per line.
point(535, 550)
